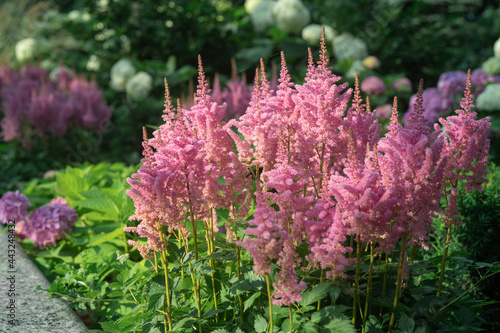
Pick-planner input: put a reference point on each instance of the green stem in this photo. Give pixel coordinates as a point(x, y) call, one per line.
point(443, 263)
point(167, 285)
point(269, 298)
point(368, 287)
point(356, 282)
point(195, 280)
point(384, 286)
point(291, 317)
point(211, 261)
point(398, 285)
point(320, 280)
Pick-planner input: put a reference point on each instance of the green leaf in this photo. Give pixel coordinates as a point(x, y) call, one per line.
point(70, 185)
point(104, 205)
point(308, 327)
point(316, 294)
point(102, 238)
point(249, 302)
point(406, 323)
point(328, 313)
point(156, 301)
point(111, 326)
point(465, 316)
point(338, 325)
point(260, 324)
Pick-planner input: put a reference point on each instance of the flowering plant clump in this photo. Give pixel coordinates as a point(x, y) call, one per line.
point(44, 225)
point(48, 223)
point(325, 181)
point(32, 103)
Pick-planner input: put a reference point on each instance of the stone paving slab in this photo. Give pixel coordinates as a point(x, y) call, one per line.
point(23, 309)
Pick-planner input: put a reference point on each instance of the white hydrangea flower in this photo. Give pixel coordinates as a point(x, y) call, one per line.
point(492, 66)
point(121, 72)
point(262, 15)
point(139, 86)
point(291, 15)
point(79, 16)
point(312, 33)
point(94, 63)
point(346, 46)
point(250, 5)
point(489, 99)
point(26, 49)
point(496, 48)
point(357, 67)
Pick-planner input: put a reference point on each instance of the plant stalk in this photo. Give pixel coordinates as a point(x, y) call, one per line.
point(443, 263)
point(356, 282)
point(270, 297)
point(398, 285)
point(368, 287)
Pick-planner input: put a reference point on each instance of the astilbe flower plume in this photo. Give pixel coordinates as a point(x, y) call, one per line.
point(236, 95)
point(466, 147)
point(31, 102)
point(412, 165)
point(181, 169)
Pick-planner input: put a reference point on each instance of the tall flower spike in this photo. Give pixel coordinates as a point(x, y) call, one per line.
point(417, 122)
point(323, 52)
point(368, 108)
point(395, 125)
point(357, 100)
point(202, 88)
point(467, 102)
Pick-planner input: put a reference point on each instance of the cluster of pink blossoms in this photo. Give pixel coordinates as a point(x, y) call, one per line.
point(182, 172)
point(31, 102)
point(44, 225)
point(323, 172)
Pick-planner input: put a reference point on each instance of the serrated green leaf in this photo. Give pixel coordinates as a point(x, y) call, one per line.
point(260, 324)
point(156, 301)
point(249, 302)
point(308, 327)
point(338, 325)
point(406, 324)
point(328, 313)
point(315, 294)
point(70, 185)
point(104, 205)
point(111, 327)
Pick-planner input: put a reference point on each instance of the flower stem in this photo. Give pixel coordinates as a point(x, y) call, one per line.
point(443, 263)
point(291, 317)
point(269, 297)
point(195, 280)
point(167, 285)
point(398, 285)
point(368, 287)
point(356, 282)
point(320, 280)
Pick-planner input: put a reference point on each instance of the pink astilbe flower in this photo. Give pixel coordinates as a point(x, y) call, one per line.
point(236, 95)
point(434, 104)
point(183, 164)
point(48, 223)
point(269, 237)
point(360, 127)
point(364, 204)
point(32, 103)
point(466, 147)
point(287, 288)
point(412, 167)
point(13, 206)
